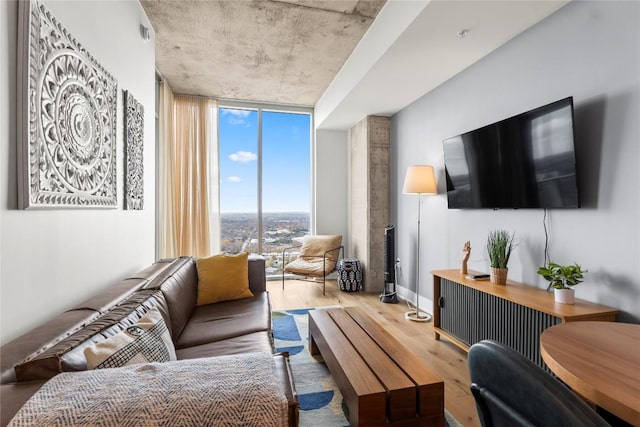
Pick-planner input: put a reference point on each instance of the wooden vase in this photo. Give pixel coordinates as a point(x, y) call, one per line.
point(498, 276)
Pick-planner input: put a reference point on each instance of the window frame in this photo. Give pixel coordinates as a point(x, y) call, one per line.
point(276, 108)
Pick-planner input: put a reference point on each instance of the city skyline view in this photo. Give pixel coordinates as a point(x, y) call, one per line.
point(239, 233)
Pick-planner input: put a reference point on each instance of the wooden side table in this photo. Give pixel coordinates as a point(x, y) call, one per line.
point(600, 361)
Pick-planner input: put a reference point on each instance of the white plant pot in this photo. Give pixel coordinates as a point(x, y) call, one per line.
point(565, 296)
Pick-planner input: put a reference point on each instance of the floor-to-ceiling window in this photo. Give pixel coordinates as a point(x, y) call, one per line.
point(265, 173)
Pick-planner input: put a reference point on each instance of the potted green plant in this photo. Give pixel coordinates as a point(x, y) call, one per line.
point(561, 278)
point(500, 244)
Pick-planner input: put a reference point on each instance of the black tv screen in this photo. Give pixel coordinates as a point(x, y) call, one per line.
point(526, 161)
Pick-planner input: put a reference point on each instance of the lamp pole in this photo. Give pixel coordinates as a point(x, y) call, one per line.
point(419, 180)
point(415, 315)
point(418, 261)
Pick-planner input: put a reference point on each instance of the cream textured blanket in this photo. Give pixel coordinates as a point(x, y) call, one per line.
point(237, 390)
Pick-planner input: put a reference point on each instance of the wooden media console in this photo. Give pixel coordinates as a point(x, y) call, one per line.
point(468, 311)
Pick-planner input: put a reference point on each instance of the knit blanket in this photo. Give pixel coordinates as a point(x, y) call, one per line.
point(239, 390)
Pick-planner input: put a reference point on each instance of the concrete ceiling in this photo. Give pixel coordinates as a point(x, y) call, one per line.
point(347, 58)
point(413, 47)
point(273, 51)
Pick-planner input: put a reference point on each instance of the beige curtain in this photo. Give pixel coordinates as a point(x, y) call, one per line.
point(187, 155)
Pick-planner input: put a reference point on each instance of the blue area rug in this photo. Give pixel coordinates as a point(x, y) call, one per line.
point(319, 397)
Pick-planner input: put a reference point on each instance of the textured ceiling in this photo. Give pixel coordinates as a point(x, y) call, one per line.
point(284, 52)
point(412, 47)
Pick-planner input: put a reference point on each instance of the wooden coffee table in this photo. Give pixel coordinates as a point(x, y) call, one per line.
point(383, 383)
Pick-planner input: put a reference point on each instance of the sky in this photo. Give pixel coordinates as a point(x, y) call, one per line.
point(286, 173)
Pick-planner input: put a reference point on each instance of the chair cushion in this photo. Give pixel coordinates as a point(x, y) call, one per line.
point(307, 267)
point(310, 262)
point(316, 246)
point(222, 278)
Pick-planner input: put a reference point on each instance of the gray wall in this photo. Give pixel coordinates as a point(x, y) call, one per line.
point(331, 166)
point(588, 50)
point(51, 260)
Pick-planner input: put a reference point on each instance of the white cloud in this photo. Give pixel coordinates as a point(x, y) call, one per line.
point(239, 113)
point(243, 156)
point(234, 179)
point(236, 117)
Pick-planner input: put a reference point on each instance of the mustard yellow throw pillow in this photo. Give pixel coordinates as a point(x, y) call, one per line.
point(223, 277)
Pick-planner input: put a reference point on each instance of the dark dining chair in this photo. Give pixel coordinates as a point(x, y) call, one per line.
point(510, 390)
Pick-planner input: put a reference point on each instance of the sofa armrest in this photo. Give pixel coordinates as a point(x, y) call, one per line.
point(13, 396)
point(285, 378)
point(257, 274)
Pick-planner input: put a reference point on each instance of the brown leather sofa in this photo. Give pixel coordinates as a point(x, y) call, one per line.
point(223, 328)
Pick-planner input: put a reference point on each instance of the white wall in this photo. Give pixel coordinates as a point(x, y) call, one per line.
point(51, 260)
point(331, 183)
point(588, 50)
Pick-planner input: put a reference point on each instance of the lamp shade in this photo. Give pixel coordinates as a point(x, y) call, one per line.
point(420, 180)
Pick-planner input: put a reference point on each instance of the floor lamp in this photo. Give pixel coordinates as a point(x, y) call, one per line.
point(419, 180)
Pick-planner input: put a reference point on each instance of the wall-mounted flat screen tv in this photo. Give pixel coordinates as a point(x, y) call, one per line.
point(526, 161)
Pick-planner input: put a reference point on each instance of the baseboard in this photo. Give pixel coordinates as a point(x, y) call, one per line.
point(426, 304)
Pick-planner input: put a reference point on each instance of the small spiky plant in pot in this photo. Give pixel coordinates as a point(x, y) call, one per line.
point(500, 245)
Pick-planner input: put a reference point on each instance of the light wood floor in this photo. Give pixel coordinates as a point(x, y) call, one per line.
point(444, 358)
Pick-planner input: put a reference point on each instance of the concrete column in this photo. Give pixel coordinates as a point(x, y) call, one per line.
point(369, 196)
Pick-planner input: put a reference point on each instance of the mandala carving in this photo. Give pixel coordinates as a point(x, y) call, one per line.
point(68, 109)
point(134, 137)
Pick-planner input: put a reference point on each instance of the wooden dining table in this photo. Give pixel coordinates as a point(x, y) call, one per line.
point(600, 361)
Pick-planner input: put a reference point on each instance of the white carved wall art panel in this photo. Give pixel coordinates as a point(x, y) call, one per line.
point(134, 139)
point(67, 118)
